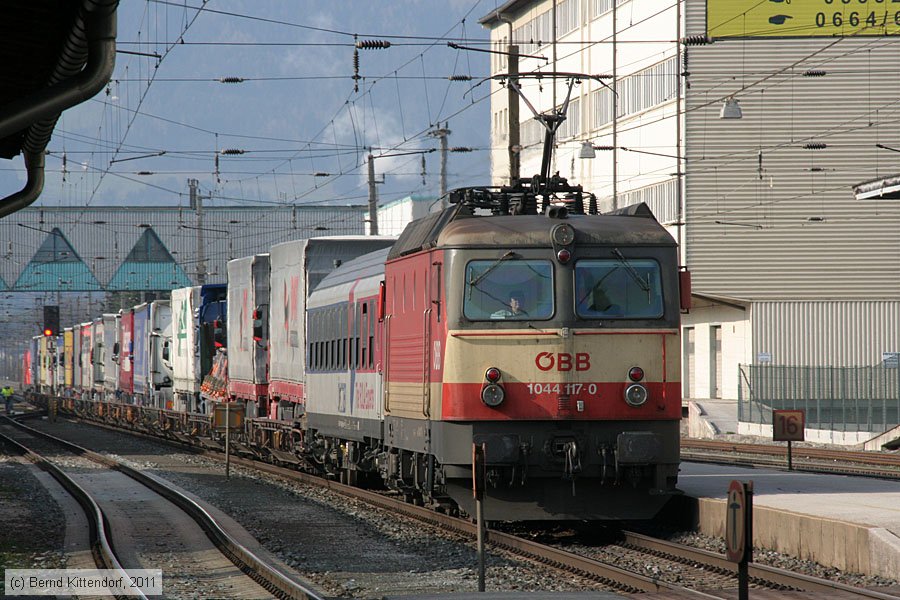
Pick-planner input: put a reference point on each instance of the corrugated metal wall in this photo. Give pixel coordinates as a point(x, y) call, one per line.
point(840, 334)
point(786, 225)
point(104, 236)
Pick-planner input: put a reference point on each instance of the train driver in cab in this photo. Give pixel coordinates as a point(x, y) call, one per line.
point(515, 309)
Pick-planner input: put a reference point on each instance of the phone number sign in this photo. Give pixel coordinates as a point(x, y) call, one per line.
point(801, 18)
point(788, 425)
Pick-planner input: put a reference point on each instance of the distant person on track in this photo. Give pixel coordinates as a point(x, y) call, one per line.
point(7, 392)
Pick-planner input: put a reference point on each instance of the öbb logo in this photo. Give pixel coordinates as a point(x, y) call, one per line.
point(563, 361)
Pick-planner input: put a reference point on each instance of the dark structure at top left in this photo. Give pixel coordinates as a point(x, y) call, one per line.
point(54, 54)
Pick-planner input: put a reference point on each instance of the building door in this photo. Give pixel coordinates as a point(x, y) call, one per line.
point(688, 367)
point(715, 364)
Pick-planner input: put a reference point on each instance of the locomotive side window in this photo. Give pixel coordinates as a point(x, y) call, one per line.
point(508, 289)
point(618, 288)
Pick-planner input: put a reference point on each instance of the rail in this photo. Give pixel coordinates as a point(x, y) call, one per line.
point(253, 566)
point(101, 544)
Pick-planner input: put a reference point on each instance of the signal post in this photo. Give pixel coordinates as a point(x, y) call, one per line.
point(739, 532)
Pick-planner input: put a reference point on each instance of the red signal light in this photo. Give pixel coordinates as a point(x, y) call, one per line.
point(492, 374)
point(48, 332)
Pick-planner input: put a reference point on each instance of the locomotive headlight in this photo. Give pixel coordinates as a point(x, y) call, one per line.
point(563, 234)
point(492, 395)
point(636, 394)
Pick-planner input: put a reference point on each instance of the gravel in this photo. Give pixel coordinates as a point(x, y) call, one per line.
point(783, 561)
point(33, 530)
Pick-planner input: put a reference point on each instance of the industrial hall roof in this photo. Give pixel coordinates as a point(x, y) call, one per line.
point(152, 248)
point(54, 54)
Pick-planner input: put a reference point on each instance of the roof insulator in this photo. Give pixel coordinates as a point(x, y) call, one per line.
point(231, 80)
point(815, 146)
point(460, 78)
point(373, 44)
point(696, 40)
point(814, 73)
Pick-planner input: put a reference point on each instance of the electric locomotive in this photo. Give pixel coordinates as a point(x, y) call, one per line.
point(547, 334)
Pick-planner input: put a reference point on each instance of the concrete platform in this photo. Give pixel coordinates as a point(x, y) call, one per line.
point(852, 523)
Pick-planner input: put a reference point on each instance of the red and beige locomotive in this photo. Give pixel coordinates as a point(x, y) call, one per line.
point(551, 337)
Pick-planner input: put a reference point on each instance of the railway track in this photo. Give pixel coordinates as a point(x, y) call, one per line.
point(679, 569)
point(688, 568)
point(108, 489)
point(699, 569)
point(815, 460)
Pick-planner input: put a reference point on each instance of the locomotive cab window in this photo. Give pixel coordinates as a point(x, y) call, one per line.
point(618, 288)
point(508, 289)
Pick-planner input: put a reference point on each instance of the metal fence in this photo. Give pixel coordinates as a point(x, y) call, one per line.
point(835, 398)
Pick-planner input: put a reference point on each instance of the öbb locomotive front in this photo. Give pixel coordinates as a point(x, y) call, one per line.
point(551, 338)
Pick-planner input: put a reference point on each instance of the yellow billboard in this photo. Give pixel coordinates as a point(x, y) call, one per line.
point(801, 18)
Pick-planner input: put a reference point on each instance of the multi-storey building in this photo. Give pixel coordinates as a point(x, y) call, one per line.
point(789, 269)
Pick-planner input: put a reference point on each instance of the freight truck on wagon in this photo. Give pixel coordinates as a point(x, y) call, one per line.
point(248, 329)
point(152, 371)
point(297, 267)
point(198, 330)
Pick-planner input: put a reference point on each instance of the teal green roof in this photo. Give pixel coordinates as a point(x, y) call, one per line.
point(149, 266)
point(56, 266)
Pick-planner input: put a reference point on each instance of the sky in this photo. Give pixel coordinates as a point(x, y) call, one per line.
point(294, 127)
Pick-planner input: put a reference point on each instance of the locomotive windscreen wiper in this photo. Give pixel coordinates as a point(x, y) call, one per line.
point(632, 271)
point(475, 281)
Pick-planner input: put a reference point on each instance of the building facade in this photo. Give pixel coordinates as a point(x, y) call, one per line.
point(394, 216)
point(788, 268)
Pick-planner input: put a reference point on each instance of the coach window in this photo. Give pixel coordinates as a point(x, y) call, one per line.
point(371, 333)
point(618, 288)
point(344, 355)
point(491, 284)
point(332, 353)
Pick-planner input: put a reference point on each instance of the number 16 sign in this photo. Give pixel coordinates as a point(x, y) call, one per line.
point(788, 426)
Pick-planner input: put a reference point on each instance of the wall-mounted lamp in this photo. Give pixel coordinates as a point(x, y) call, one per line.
point(731, 109)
